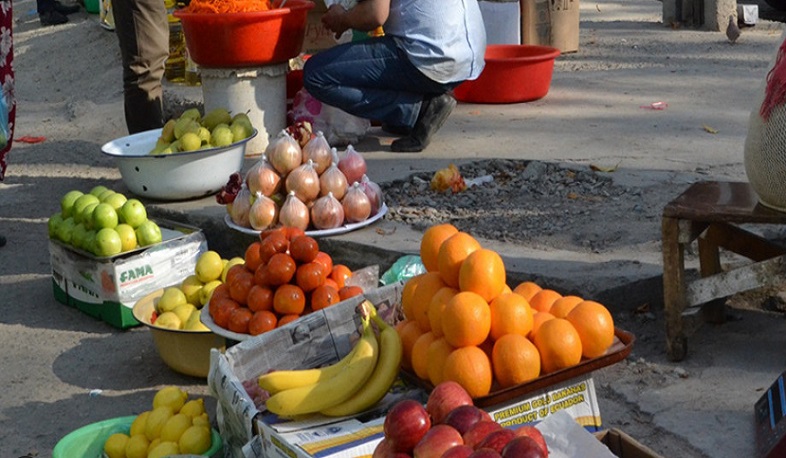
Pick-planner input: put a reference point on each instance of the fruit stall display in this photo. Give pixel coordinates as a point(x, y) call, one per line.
point(301, 182)
point(191, 131)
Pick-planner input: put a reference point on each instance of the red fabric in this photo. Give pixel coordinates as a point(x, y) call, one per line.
point(775, 92)
point(7, 75)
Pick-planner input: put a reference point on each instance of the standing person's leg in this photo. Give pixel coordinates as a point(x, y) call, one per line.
point(143, 33)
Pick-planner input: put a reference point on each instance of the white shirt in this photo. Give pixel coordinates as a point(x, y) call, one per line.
point(444, 39)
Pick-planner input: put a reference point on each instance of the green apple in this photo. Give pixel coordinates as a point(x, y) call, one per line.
point(191, 287)
point(127, 237)
point(80, 203)
point(104, 215)
point(78, 235)
point(65, 230)
point(97, 190)
point(53, 223)
point(116, 200)
point(107, 242)
point(67, 202)
point(172, 297)
point(148, 233)
point(105, 195)
point(133, 213)
point(89, 242)
point(86, 216)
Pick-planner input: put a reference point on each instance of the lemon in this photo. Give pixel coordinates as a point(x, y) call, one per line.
point(163, 449)
point(153, 444)
point(194, 407)
point(137, 446)
point(201, 420)
point(191, 286)
point(170, 396)
point(168, 320)
point(207, 291)
point(234, 261)
point(174, 427)
point(172, 297)
point(158, 416)
point(115, 445)
point(138, 425)
point(209, 266)
point(194, 322)
point(195, 440)
point(183, 311)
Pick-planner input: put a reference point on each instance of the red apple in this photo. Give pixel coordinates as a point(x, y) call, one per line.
point(479, 431)
point(497, 440)
point(384, 450)
point(436, 441)
point(523, 447)
point(458, 451)
point(445, 397)
point(405, 424)
point(463, 417)
point(535, 434)
point(485, 453)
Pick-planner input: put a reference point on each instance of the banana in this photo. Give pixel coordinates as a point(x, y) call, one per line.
point(381, 379)
point(326, 393)
point(276, 381)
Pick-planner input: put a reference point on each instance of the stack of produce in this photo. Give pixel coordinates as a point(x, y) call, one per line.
point(103, 222)
point(179, 306)
point(284, 276)
point(463, 323)
point(191, 131)
point(451, 426)
point(304, 184)
point(175, 425)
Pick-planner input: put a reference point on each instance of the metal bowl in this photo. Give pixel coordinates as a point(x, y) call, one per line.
point(176, 176)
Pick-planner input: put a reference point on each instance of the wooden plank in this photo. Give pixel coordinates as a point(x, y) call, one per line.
point(734, 281)
point(673, 288)
point(742, 242)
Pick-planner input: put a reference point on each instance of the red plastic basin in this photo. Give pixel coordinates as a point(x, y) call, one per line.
point(230, 40)
point(513, 73)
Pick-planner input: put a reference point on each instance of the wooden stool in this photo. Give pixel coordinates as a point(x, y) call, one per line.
point(711, 212)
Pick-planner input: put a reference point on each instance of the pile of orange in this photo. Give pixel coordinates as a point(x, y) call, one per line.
point(463, 323)
point(285, 276)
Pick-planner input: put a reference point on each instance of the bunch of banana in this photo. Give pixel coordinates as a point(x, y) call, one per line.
point(352, 385)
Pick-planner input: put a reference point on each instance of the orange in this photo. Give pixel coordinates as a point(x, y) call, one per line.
point(289, 299)
point(409, 331)
point(539, 318)
point(510, 314)
point(239, 319)
point(466, 319)
point(284, 319)
point(437, 354)
point(427, 287)
point(527, 289)
point(349, 291)
point(563, 305)
point(310, 275)
point(407, 295)
point(559, 345)
point(515, 360)
point(543, 300)
point(506, 289)
point(437, 306)
point(324, 296)
point(595, 326)
point(262, 321)
point(280, 269)
point(430, 243)
point(303, 248)
point(260, 298)
point(420, 354)
point(452, 253)
point(326, 261)
point(340, 275)
point(483, 272)
point(470, 368)
point(252, 256)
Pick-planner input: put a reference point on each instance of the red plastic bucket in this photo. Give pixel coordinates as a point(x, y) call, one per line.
point(231, 40)
point(513, 73)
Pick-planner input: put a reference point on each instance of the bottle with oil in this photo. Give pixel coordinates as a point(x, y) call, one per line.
point(193, 77)
point(175, 65)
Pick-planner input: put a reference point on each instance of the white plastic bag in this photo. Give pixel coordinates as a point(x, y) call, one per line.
point(339, 127)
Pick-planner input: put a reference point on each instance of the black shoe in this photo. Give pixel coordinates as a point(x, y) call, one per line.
point(2, 240)
point(65, 9)
point(433, 114)
point(396, 130)
point(52, 18)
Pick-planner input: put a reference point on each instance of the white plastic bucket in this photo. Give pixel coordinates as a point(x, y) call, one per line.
point(259, 91)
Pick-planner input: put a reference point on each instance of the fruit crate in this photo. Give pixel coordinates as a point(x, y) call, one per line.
point(108, 287)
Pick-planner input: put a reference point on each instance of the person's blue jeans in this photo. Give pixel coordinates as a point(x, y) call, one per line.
point(372, 79)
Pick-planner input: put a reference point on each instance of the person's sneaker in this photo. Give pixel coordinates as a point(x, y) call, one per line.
point(396, 130)
point(52, 18)
point(66, 9)
point(433, 114)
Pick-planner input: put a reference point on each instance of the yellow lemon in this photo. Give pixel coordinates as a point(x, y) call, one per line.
point(170, 396)
point(195, 440)
point(153, 444)
point(163, 449)
point(172, 297)
point(207, 291)
point(183, 311)
point(191, 286)
point(158, 416)
point(115, 445)
point(138, 425)
point(209, 266)
point(137, 446)
point(201, 420)
point(194, 323)
point(194, 407)
point(174, 427)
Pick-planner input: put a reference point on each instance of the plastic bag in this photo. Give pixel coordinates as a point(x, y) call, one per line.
point(403, 269)
point(4, 130)
point(340, 128)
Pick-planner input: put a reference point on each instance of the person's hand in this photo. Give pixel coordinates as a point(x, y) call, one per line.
point(334, 20)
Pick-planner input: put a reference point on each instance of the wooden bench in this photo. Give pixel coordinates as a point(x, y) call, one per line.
point(712, 213)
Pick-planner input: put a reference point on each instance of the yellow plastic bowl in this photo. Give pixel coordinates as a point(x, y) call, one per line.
point(187, 352)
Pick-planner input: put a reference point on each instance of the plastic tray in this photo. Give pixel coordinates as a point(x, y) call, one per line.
point(318, 233)
point(620, 349)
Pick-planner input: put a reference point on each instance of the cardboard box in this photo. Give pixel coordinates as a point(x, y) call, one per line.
point(502, 19)
point(319, 37)
point(551, 23)
point(624, 446)
point(108, 288)
point(769, 415)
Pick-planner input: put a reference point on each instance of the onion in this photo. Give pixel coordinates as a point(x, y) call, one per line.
point(333, 181)
point(284, 153)
point(318, 150)
point(241, 207)
point(304, 182)
point(293, 213)
point(357, 206)
point(262, 177)
point(327, 212)
point(263, 212)
point(374, 193)
point(352, 164)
